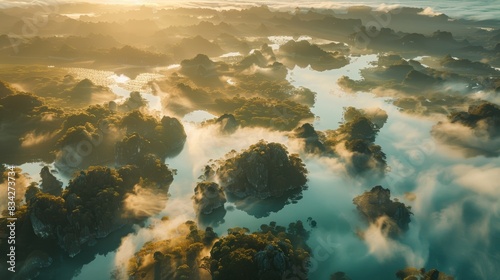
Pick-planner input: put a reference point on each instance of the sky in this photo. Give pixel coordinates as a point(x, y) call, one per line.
point(470, 9)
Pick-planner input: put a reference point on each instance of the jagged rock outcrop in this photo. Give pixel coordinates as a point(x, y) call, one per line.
point(228, 123)
point(208, 196)
point(310, 138)
point(41, 229)
point(354, 141)
point(199, 65)
point(83, 90)
point(377, 203)
point(50, 184)
point(271, 259)
point(201, 70)
point(255, 58)
point(415, 79)
point(35, 261)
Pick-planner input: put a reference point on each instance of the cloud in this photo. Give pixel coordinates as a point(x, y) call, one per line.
point(429, 12)
point(482, 180)
point(144, 202)
point(457, 212)
point(21, 183)
point(34, 139)
point(469, 141)
point(385, 248)
point(177, 211)
point(205, 143)
point(387, 8)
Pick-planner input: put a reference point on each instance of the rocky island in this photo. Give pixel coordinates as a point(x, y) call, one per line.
point(377, 203)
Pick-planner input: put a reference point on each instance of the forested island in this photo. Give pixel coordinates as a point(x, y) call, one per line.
point(247, 141)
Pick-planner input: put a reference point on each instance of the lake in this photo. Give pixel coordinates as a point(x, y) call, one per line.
point(431, 179)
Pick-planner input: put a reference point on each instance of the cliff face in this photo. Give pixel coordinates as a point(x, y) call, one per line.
point(263, 170)
point(228, 123)
point(271, 261)
point(50, 184)
point(377, 203)
point(35, 261)
point(208, 196)
point(310, 138)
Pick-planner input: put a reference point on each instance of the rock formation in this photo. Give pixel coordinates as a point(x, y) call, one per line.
point(208, 196)
point(377, 203)
point(263, 170)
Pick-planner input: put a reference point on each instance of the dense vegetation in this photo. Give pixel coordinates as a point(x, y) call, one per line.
point(208, 196)
point(177, 258)
point(263, 170)
point(70, 116)
point(303, 53)
point(411, 273)
point(352, 143)
point(90, 208)
point(376, 204)
point(84, 137)
point(273, 252)
point(440, 88)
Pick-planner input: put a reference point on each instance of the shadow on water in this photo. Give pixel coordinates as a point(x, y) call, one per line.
point(260, 208)
point(66, 268)
point(214, 219)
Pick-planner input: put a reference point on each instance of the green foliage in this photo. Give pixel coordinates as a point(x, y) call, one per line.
point(263, 170)
point(155, 170)
point(280, 115)
point(91, 206)
point(179, 257)
point(377, 203)
point(31, 192)
point(49, 208)
point(132, 55)
point(145, 134)
point(3, 168)
point(20, 103)
point(267, 254)
point(411, 273)
point(304, 53)
point(134, 102)
point(487, 113)
point(357, 136)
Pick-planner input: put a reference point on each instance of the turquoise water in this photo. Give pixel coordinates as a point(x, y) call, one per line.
point(456, 220)
point(441, 231)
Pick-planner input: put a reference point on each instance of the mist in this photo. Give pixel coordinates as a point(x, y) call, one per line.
point(183, 85)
